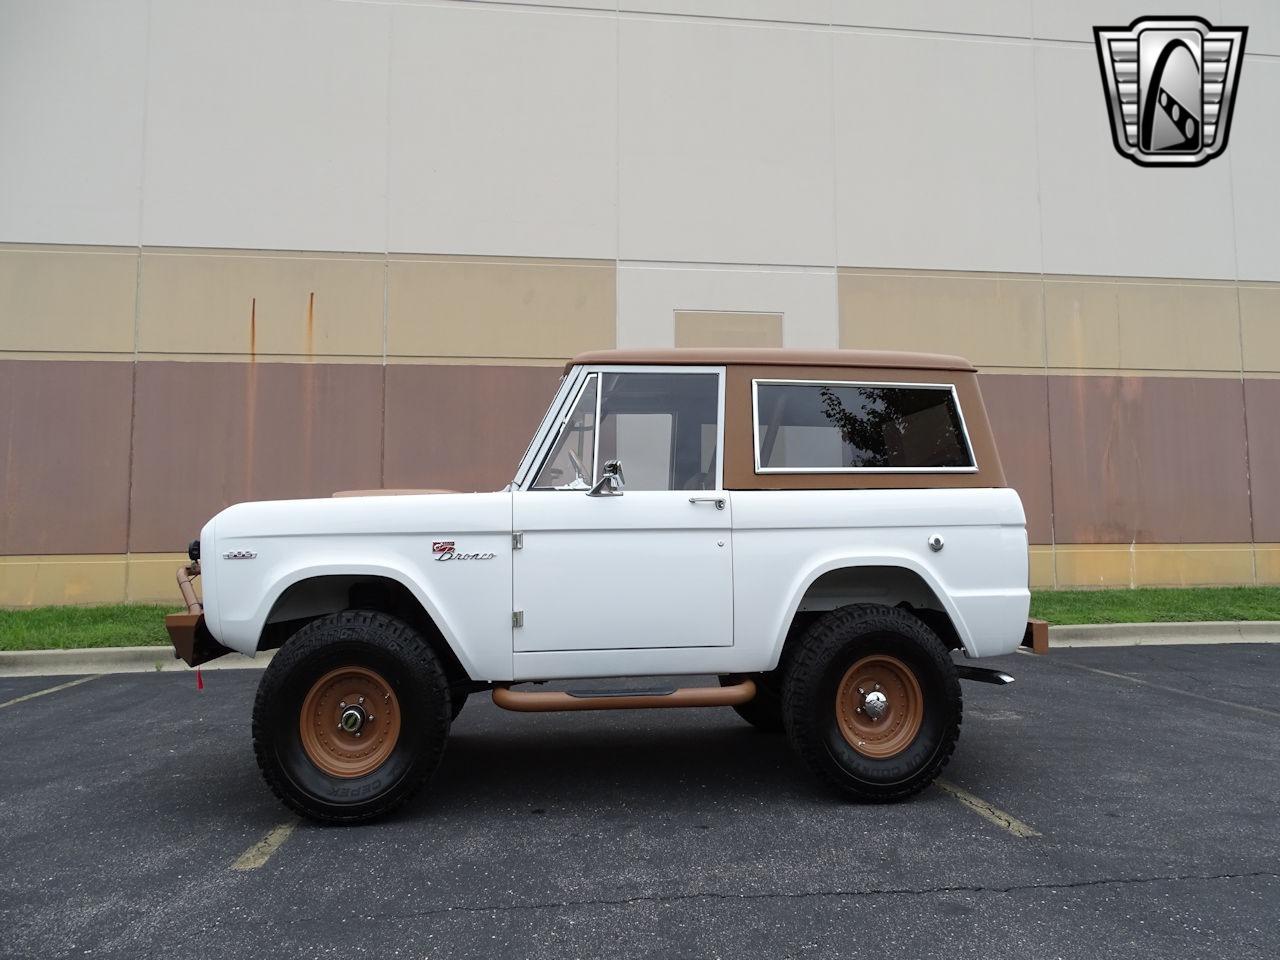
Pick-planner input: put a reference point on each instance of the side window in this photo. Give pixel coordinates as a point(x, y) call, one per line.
point(662, 427)
point(833, 427)
point(571, 464)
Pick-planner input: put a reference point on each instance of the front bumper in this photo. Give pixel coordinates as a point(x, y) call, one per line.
point(191, 639)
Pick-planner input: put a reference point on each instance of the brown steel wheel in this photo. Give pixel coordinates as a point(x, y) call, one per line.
point(351, 716)
point(879, 706)
point(349, 722)
point(871, 701)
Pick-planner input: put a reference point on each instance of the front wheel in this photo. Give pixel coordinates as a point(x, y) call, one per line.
point(871, 702)
point(351, 716)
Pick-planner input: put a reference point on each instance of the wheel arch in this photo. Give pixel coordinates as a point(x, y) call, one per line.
point(314, 592)
point(893, 580)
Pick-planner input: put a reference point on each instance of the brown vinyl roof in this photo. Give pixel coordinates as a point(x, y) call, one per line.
point(772, 357)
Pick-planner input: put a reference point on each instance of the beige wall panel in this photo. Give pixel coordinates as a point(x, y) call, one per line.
point(1100, 565)
point(1192, 565)
point(1267, 558)
point(1260, 326)
point(709, 328)
point(258, 303)
point(59, 299)
point(992, 320)
point(1041, 564)
point(1178, 326)
point(475, 307)
point(1082, 321)
point(64, 456)
point(38, 581)
point(152, 579)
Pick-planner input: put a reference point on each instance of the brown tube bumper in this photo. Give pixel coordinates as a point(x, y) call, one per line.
point(1036, 637)
point(548, 701)
point(191, 639)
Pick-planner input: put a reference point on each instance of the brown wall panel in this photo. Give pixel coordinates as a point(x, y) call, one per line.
point(1018, 408)
point(64, 456)
point(462, 427)
point(1151, 459)
point(1262, 402)
point(210, 434)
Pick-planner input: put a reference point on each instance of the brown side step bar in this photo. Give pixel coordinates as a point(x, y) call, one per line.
point(546, 701)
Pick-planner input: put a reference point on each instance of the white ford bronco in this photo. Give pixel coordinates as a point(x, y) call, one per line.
point(820, 530)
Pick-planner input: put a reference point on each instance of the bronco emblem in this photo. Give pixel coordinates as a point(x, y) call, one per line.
point(1170, 84)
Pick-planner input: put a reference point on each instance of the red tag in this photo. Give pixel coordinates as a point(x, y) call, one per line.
point(199, 680)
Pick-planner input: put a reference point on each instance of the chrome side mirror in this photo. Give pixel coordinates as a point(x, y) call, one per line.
point(611, 480)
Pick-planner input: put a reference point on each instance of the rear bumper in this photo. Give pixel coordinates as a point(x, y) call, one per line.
point(1036, 637)
point(191, 639)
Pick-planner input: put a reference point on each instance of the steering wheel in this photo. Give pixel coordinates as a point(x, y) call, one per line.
point(577, 466)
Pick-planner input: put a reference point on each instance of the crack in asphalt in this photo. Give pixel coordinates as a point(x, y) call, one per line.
point(812, 894)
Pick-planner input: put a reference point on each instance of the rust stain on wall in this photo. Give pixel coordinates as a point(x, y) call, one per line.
point(311, 324)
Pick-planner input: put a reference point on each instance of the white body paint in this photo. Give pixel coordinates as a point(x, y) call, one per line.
point(643, 583)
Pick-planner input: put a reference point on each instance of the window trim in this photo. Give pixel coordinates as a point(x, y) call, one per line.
point(553, 426)
point(561, 422)
point(768, 381)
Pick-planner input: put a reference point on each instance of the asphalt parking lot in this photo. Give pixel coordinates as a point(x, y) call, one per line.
point(133, 821)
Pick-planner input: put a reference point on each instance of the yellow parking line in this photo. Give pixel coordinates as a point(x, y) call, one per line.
point(261, 851)
point(985, 810)
point(41, 693)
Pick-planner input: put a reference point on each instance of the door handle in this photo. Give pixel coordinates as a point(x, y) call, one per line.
point(718, 501)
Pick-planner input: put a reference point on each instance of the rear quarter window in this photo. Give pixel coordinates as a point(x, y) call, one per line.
point(838, 427)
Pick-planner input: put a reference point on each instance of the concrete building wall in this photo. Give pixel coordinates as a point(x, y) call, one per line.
point(277, 249)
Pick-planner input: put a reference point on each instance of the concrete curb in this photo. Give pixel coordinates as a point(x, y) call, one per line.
point(1164, 634)
point(55, 663)
point(158, 659)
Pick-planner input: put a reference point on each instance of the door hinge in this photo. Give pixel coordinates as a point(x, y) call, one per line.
point(517, 618)
point(517, 541)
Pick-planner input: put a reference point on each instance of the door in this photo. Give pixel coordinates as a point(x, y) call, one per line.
point(649, 562)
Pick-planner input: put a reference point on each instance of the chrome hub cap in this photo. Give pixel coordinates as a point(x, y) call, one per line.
point(352, 720)
point(875, 704)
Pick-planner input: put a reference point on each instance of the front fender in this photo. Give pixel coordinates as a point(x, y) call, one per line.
point(242, 629)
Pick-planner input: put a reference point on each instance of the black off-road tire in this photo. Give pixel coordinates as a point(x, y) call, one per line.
point(457, 700)
point(379, 645)
point(824, 654)
point(764, 710)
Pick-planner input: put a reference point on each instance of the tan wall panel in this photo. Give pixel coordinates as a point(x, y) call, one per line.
point(1262, 406)
point(151, 578)
point(55, 299)
point(64, 456)
point(40, 581)
point(1082, 321)
point(1260, 326)
point(462, 427)
point(1041, 568)
point(210, 302)
point(1108, 565)
point(207, 435)
point(1018, 408)
point(709, 328)
point(1267, 560)
point(991, 319)
point(1172, 325)
point(1192, 565)
point(499, 308)
point(1151, 459)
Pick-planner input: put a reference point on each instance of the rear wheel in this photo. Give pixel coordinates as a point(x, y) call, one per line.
point(871, 702)
point(351, 716)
